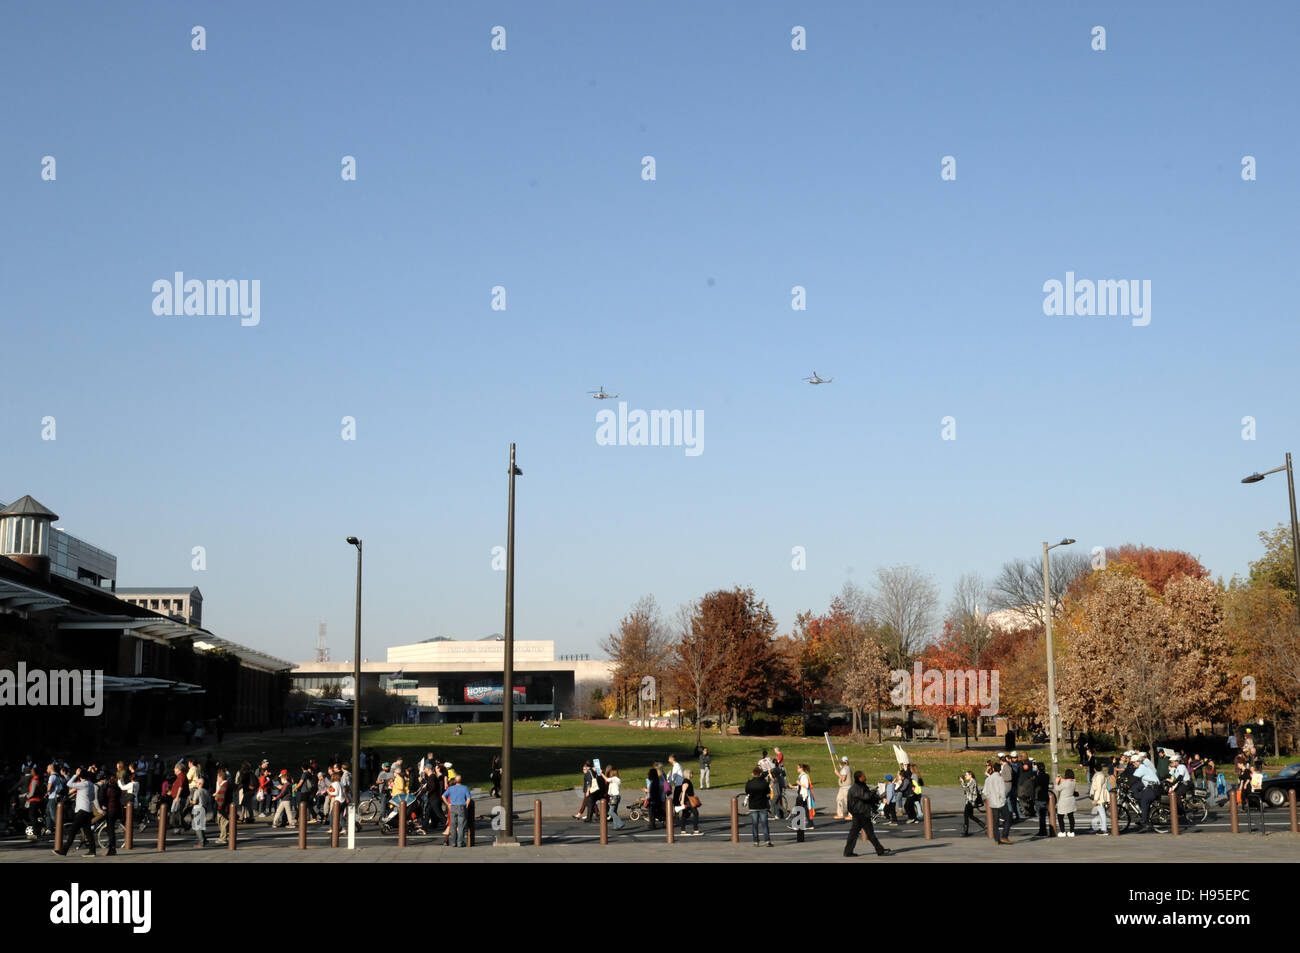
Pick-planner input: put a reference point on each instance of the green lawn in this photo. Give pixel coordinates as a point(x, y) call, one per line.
point(551, 758)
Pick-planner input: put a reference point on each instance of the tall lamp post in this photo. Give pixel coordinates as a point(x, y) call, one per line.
point(1295, 534)
point(1053, 715)
point(356, 710)
point(506, 837)
point(1295, 539)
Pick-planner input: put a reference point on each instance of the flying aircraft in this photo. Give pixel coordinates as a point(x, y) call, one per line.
point(600, 394)
point(818, 380)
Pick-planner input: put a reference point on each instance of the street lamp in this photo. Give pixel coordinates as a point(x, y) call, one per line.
point(1053, 716)
point(506, 836)
point(1295, 535)
point(356, 709)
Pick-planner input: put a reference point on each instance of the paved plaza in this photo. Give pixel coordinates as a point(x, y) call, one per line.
point(566, 840)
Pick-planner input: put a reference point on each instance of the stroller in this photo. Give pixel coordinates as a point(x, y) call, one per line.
point(412, 808)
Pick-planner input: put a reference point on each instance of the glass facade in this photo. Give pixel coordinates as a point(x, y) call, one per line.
point(76, 559)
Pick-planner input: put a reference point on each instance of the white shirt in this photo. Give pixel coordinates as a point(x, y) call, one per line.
point(677, 773)
point(615, 787)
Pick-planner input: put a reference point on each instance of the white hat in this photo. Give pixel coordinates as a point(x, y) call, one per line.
point(845, 759)
point(1175, 757)
point(1015, 754)
point(1140, 755)
point(1002, 754)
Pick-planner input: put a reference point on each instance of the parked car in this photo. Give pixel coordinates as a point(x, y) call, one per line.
point(1274, 789)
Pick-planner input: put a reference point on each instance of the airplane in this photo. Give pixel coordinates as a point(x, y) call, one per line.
point(600, 394)
point(818, 380)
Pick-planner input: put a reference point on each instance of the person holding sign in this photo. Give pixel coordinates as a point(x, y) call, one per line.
point(842, 795)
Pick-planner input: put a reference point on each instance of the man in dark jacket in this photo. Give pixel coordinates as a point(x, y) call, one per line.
point(1025, 788)
point(759, 801)
point(862, 800)
point(1042, 788)
point(112, 811)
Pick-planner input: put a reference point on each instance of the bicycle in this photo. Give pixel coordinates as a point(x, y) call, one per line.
point(1131, 812)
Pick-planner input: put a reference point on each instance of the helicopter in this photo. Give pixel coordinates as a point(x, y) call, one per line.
point(819, 380)
point(600, 394)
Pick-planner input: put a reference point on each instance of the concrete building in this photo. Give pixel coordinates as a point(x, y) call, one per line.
point(453, 681)
point(182, 604)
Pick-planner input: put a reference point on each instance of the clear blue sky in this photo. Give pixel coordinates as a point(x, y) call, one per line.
point(523, 169)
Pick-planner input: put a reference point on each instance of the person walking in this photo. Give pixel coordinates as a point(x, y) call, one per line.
point(56, 782)
point(32, 802)
point(1042, 788)
point(705, 761)
point(1066, 790)
point(458, 801)
point(756, 794)
point(995, 795)
point(654, 792)
point(112, 812)
point(689, 805)
point(200, 803)
point(1099, 792)
point(842, 793)
point(84, 789)
point(614, 785)
point(861, 801)
point(805, 797)
point(221, 799)
point(596, 792)
point(282, 800)
point(971, 791)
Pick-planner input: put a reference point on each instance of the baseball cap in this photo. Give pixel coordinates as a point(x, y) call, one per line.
point(889, 777)
point(845, 759)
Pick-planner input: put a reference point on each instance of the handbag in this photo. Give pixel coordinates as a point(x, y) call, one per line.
point(693, 801)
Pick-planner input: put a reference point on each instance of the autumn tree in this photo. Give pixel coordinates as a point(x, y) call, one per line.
point(1157, 566)
point(865, 681)
point(640, 647)
point(694, 661)
point(952, 654)
point(1276, 568)
point(741, 628)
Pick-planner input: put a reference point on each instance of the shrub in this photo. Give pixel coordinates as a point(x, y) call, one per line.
point(792, 726)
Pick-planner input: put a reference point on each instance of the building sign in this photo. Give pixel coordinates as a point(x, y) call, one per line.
point(490, 693)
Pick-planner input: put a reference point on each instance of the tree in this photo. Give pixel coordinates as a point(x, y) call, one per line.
point(865, 682)
point(905, 602)
point(740, 628)
point(640, 647)
point(950, 654)
point(1276, 567)
point(1157, 566)
point(693, 664)
point(1019, 585)
point(968, 616)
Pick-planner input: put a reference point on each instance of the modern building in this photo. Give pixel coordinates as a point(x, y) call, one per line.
point(157, 671)
point(183, 604)
point(70, 557)
point(453, 681)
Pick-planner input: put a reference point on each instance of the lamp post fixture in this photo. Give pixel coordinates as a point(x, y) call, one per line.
point(356, 709)
point(1053, 715)
point(506, 836)
point(1295, 535)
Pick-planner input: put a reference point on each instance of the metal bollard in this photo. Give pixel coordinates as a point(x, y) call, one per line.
point(668, 827)
point(735, 819)
point(604, 820)
point(1114, 815)
point(1051, 813)
point(129, 841)
point(302, 825)
point(58, 825)
point(1232, 811)
point(989, 827)
point(927, 823)
point(469, 824)
point(1290, 796)
point(401, 825)
point(1173, 813)
point(334, 824)
point(232, 829)
point(537, 823)
point(162, 826)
